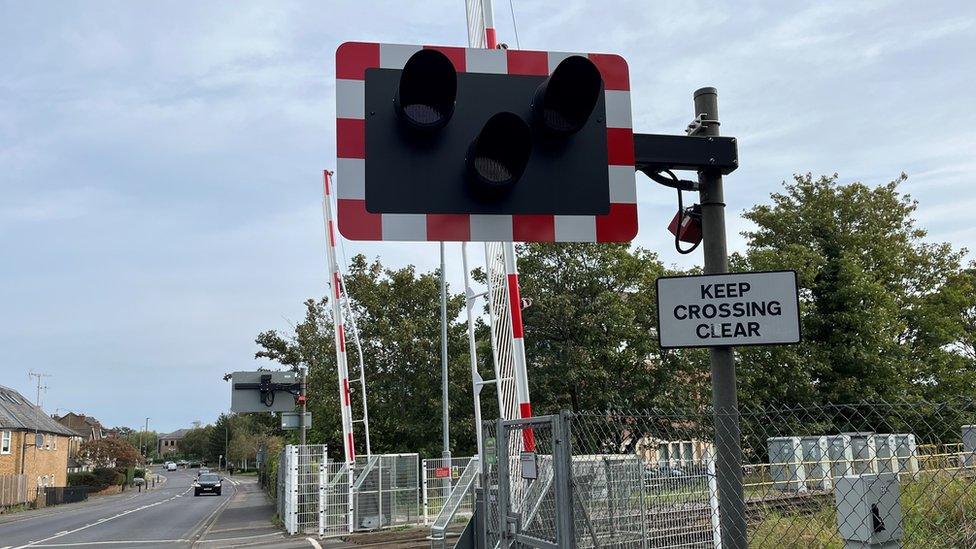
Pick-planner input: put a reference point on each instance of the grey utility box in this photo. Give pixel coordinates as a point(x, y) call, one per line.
point(969, 445)
point(868, 511)
point(786, 464)
point(816, 462)
point(865, 453)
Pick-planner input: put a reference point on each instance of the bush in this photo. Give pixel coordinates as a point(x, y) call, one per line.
point(84, 478)
point(128, 473)
point(105, 477)
point(140, 473)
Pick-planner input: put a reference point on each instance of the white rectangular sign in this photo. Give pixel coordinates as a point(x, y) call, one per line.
point(289, 420)
point(760, 308)
point(530, 465)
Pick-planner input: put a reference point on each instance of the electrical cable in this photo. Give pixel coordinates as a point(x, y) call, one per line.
point(678, 185)
point(511, 5)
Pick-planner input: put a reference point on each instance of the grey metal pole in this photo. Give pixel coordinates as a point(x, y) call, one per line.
point(445, 404)
point(476, 381)
point(302, 408)
point(728, 449)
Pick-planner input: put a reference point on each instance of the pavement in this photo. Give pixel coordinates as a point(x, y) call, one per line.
point(169, 516)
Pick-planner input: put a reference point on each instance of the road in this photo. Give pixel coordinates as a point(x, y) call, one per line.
point(169, 516)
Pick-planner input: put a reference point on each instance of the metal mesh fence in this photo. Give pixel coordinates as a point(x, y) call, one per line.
point(314, 492)
point(386, 491)
point(334, 491)
point(490, 481)
point(814, 476)
point(438, 477)
point(300, 471)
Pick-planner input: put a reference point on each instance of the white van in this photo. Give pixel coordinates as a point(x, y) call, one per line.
point(170, 466)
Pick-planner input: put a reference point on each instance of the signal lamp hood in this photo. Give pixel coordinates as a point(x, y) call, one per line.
point(427, 91)
point(498, 156)
point(564, 102)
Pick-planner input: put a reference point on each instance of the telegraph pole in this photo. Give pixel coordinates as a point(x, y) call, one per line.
point(143, 448)
point(728, 449)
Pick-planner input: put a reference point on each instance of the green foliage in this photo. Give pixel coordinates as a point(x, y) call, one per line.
point(103, 477)
point(243, 432)
point(126, 473)
point(144, 441)
point(108, 452)
point(139, 473)
point(398, 314)
point(883, 311)
point(937, 511)
point(82, 478)
point(885, 314)
point(196, 443)
point(589, 330)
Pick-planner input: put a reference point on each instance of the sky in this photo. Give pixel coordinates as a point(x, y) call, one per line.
point(160, 162)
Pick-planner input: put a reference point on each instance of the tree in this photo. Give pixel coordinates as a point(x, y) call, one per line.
point(883, 311)
point(230, 427)
point(195, 443)
point(109, 452)
point(589, 330)
point(398, 315)
point(141, 440)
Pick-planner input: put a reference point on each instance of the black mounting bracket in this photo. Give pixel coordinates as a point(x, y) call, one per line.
point(268, 389)
point(654, 153)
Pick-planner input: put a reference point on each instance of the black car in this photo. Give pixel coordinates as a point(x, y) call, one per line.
point(666, 476)
point(207, 482)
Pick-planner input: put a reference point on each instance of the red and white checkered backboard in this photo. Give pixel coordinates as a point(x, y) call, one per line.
point(356, 223)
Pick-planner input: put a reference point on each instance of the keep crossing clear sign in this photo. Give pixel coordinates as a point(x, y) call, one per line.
point(760, 308)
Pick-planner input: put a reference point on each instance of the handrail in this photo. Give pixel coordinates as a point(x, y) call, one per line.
point(438, 530)
point(368, 468)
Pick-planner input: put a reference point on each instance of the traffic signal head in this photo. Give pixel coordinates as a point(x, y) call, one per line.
point(565, 101)
point(427, 90)
point(437, 143)
point(497, 158)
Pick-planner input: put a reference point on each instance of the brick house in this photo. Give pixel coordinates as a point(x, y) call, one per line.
point(170, 442)
point(31, 443)
point(87, 428)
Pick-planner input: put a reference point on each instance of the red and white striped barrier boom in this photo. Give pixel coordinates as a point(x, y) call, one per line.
point(335, 281)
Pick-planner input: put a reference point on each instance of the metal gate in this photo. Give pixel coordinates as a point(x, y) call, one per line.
point(528, 483)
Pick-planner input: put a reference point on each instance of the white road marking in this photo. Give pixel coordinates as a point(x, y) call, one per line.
point(82, 543)
point(98, 522)
point(314, 543)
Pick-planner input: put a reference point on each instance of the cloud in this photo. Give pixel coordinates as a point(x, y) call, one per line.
point(160, 163)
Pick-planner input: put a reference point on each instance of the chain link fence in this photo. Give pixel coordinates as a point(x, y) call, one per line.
point(813, 476)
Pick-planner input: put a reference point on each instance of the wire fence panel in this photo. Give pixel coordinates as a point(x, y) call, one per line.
point(438, 477)
point(529, 489)
point(299, 476)
point(638, 485)
point(335, 497)
point(386, 491)
point(900, 473)
point(490, 481)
